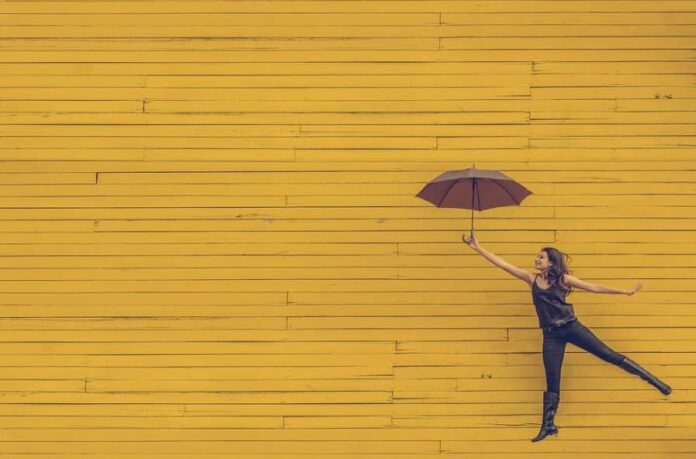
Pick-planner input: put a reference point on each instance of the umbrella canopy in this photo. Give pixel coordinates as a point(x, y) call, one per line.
point(473, 188)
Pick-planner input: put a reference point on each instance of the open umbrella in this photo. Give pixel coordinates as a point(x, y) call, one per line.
point(473, 188)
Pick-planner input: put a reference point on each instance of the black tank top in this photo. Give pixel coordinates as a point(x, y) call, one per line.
point(551, 307)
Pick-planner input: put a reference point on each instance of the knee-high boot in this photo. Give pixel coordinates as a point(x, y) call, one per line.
point(633, 368)
point(547, 426)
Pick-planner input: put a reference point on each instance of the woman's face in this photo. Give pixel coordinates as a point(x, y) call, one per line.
point(541, 262)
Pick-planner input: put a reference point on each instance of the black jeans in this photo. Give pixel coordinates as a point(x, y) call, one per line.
point(554, 347)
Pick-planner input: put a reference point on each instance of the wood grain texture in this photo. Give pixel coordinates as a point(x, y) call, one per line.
point(211, 244)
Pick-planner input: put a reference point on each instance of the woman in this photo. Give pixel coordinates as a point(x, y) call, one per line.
point(559, 324)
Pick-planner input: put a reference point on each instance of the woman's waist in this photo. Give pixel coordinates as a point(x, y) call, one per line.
point(553, 304)
point(560, 324)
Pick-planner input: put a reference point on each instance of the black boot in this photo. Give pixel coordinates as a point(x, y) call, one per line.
point(547, 425)
point(633, 368)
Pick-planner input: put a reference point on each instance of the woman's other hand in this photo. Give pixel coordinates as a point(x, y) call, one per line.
point(634, 289)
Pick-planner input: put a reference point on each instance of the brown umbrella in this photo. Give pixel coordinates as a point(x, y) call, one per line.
point(473, 188)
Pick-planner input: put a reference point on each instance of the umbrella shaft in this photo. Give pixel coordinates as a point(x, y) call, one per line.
point(473, 192)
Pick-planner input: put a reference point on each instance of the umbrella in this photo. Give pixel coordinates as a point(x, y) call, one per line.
point(473, 188)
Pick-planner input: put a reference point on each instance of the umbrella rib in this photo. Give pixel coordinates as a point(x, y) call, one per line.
point(513, 198)
point(448, 190)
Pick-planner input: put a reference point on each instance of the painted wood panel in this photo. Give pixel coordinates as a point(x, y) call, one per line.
point(211, 244)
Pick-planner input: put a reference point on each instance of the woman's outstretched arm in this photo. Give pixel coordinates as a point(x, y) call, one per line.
point(520, 273)
point(598, 288)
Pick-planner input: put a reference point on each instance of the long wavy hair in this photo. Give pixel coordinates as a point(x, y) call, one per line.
point(559, 266)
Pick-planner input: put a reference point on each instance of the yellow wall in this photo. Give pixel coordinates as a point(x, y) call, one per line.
point(212, 244)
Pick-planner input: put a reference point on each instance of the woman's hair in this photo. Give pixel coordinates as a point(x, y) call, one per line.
point(559, 266)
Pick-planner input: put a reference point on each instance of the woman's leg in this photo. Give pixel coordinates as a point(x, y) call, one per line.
point(578, 334)
point(553, 351)
point(582, 337)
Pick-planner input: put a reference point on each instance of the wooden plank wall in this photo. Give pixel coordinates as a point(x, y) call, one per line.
point(211, 245)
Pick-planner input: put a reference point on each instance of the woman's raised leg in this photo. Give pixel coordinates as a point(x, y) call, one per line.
point(583, 337)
